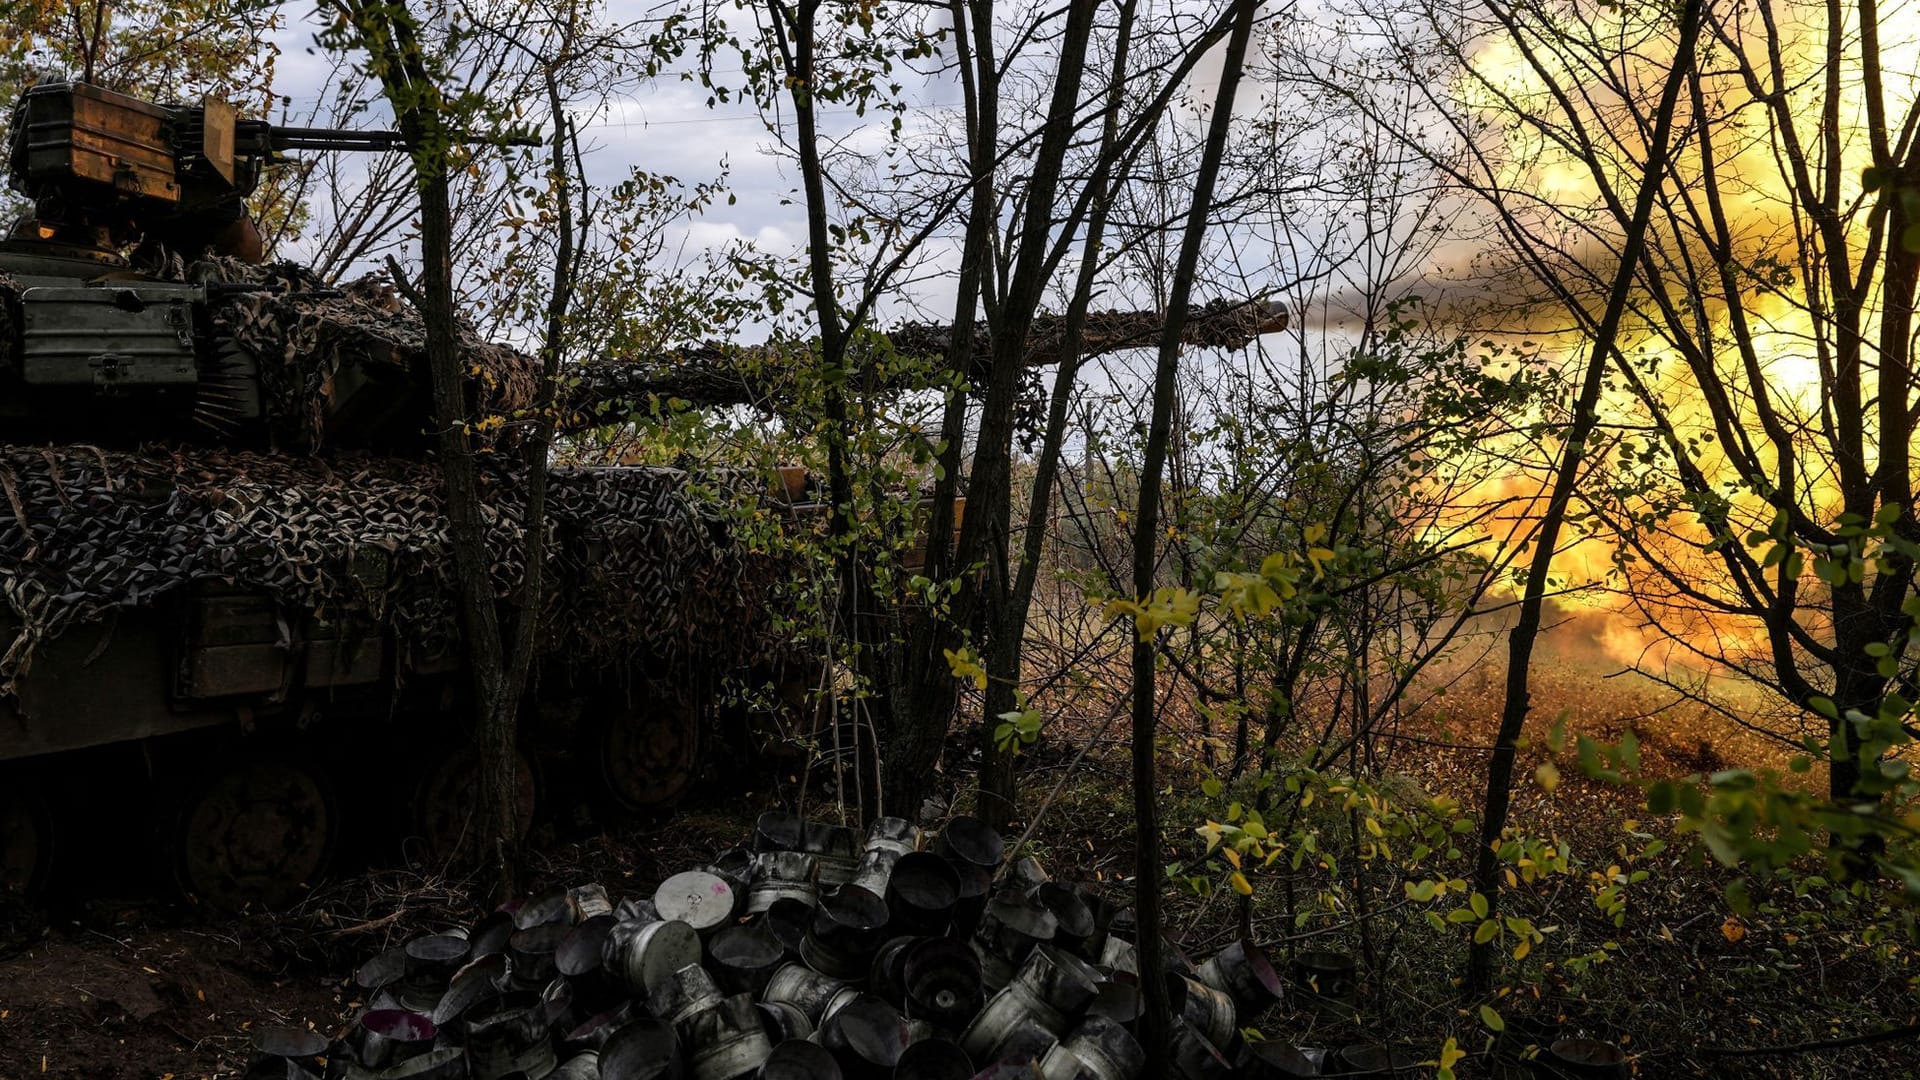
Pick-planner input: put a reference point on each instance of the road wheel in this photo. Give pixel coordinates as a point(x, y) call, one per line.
point(444, 803)
point(646, 748)
point(254, 830)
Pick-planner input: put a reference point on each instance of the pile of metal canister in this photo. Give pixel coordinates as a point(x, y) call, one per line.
point(816, 953)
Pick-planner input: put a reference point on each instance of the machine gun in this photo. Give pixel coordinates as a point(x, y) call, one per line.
point(106, 171)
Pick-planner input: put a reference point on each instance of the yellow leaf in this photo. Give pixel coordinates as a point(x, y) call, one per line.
point(1733, 929)
point(1521, 950)
point(1373, 826)
point(1240, 883)
point(1547, 775)
point(1450, 1054)
point(1233, 857)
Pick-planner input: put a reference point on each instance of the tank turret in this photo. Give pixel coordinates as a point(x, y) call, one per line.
point(132, 305)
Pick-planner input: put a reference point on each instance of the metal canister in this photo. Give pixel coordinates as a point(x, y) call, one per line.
point(1073, 919)
point(388, 1036)
point(1119, 1002)
point(434, 958)
point(976, 884)
point(942, 982)
point(867, 1036)
point(874, 871)
point(1243, 972)
point(589, 901)
point(1210, 1011)
point(781, 875)
point(972, 841)
point(894, 834)
point(535, 952)
point(691, 990)
point(784, 1021)
point(446, 1063)
point(848, 927)
point(1053, 989)
point(509, 1035)
point(921, 894)
point(803, 988)
point(1193, 1056)
point(934, 1059)
point(788, 920)
point(638, 909)
point(1098, 1049)
point(1276, 1061)
point(888, 976)
point(701, 900)
point(644, 956)
point(483, 979)
point(489, 935)
point(584, 1065)
point(835, 850)
point(798, 1059)
point(735, 867)
point(1008, 932)
point(1026, 874)
point(745, 957)
point(1014, 1037)
point(726, 1039)
point(777, 830)
point(543, 910)
point(594, 1032)
point(646, 1049)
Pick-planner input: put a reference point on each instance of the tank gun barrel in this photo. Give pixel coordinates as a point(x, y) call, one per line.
point(281, 139)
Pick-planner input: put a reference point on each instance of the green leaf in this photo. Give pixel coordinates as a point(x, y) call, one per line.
point(1492, 1019)
point(1479, 905)
point(1211, 787)
point(1487, 931)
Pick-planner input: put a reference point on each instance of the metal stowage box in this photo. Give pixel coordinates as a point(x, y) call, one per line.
point(108, 336)
point(76, 130)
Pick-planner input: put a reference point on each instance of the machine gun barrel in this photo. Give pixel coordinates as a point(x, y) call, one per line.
point(313, 138)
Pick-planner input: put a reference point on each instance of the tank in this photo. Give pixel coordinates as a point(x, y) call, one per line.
point(228, 629)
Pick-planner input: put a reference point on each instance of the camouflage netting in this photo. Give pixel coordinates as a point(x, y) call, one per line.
point(305, 334)
point(640, 566)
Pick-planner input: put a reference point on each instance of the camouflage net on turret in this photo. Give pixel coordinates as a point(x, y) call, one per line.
point(305, 335)
point(641, 565)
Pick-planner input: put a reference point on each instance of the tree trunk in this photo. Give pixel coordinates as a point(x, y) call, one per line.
point(1526, 631)
point(1156, 1021)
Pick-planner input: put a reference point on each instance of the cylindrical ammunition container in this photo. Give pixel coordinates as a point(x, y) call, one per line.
point(921, 894)
point(897, 835)
point(874, 870)
point(942, 982)
point(745, 957)
point(638, 909)
point(798, 1059)
point(535, 953)
point(1053, 989)
point(480, 980)
point(444, 1063)
point(847, 929)
point(777, 830)
point(726, 1038)
point(645, 1049)
point(583, 950)
point(1276, 1061)
point(784, 1021)
point(976, 884)
point(1208, 1010)
point(1193, 1056)
point(593, 1032)
point(1008, 932)
point(787, 920)
point(543, 910)
point(697, 898)
point(1243, 972)
point(390, 1036)
point(584, 1065)
point(489, 935)
point(781, 875)
point(735, 867)
point(1119, 1002)
point(1074, 920)
point(509, 1035)
point(1006, 1037)
point(588, 902)
point(867, 1036)
point(689, 991)
point(803, 988)
point(644, 956)
point(972, 841)
point(434, 958)
point(933, 1059)
point(835, 850)
point(1098, 1048)
point(887, 978)
point(1026, 874)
